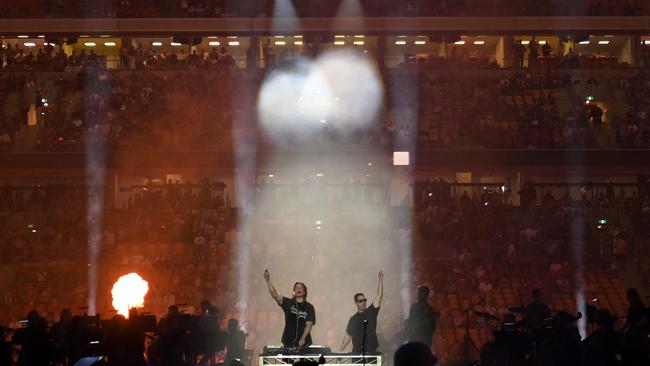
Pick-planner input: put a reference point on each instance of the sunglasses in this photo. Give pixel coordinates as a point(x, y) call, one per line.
point(362, 300)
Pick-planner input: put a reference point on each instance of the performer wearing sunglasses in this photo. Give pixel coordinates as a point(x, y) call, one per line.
point(362, 326)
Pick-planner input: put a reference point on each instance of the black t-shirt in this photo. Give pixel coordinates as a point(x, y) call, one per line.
point(421, 323)
point(295, 317)
point(536, 315)
point(355, 329)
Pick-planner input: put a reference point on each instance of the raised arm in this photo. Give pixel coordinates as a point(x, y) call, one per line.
point(376, 302)
point(272, 290)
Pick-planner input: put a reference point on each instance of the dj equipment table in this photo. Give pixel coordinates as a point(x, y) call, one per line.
point(342, 359)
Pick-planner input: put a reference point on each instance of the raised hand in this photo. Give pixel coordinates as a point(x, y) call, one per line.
point(267, 276)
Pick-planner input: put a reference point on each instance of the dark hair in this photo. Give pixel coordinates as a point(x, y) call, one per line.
point(356, 295)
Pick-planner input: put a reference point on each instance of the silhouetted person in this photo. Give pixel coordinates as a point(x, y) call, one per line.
point(34, 341)
point(414, 354)
point(561, 346)
point(635, 338)
point(636, 305)
point(600, 349)
point(235, 341)
point(61, 336)
point(536, 312)
point(421, 323)
point(172, 343)
point(5, 349)
point(208, 337)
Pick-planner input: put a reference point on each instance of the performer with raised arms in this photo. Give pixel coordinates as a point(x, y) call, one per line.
point(299, 315)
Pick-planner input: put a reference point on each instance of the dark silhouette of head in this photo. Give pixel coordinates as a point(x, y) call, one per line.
point(233, 325)
point(172, 311)
point(414, 354)
point(604, 319)
point(537, 295)
point(423, 294)
point(633, 298)
point(66, 316)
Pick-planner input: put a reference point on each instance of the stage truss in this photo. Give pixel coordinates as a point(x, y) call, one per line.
point(341, 360)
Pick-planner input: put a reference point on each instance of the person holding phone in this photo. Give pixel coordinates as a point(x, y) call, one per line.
point(299, 315)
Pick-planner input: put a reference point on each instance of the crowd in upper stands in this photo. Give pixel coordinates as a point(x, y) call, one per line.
point(315, 8)
point(514, 110)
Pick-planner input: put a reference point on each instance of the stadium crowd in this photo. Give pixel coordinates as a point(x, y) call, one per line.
point(144, 110)
point(314, 8)
point(177, 235)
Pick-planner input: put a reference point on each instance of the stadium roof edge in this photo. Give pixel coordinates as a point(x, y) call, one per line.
point(483, 25)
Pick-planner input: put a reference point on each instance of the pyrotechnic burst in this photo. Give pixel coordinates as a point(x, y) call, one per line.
point(129, 292)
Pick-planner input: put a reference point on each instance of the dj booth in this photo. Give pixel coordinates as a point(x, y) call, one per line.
point(289, 356)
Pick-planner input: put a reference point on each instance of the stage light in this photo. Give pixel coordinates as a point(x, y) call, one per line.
point(109, 44)
point(176, 44)
point(359, 43)
point(459, 43)
point(400, 43)
point(584, 42)
point(156, 44)
point(420, 42)
point(233, 43)
point(401, 158)
point(479, 43)
point(603, 42)
point(280, 43)
point(213, 43)
point(90, 44)
point(29, 44)
point(339, 43)
point(298, 43)
point(23, 36)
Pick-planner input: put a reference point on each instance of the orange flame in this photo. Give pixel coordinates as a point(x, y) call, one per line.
point(129, 292)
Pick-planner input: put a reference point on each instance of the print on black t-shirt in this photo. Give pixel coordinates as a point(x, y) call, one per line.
point(295, 317)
